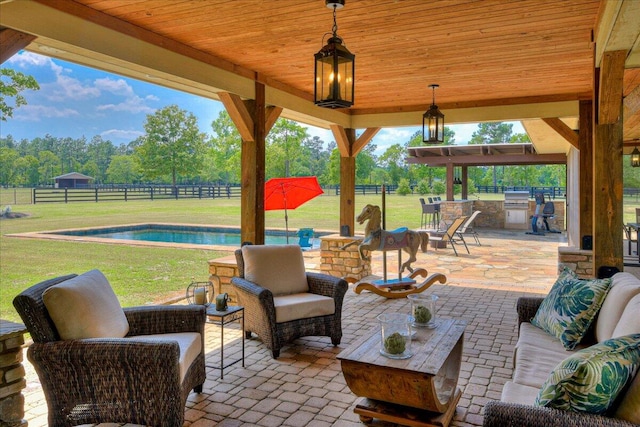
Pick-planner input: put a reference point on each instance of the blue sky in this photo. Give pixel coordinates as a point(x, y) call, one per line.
point(75, 101)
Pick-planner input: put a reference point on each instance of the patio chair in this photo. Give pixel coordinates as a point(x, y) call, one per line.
point(430, 214)
point(631, 235)
point(284, 302)
point(100, 363)
point(450, 235)
point(467, 228)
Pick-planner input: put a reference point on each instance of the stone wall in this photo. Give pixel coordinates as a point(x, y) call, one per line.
point(450, 210)
point(492, 213)
point(12, 374)
point(578, 260)
point(339, 262)
point(221, 270)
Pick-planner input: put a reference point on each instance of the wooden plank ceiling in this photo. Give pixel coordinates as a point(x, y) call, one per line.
point(481, 53)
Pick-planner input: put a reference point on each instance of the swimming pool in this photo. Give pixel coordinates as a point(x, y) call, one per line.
point(179, 234)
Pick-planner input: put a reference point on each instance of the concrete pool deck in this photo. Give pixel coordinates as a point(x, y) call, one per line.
point(305, 385)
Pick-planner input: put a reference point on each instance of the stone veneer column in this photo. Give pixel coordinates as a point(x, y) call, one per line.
point(452, 209)
point(12, 374)
point(221, 270)
point(339, 262)
point(578, 260)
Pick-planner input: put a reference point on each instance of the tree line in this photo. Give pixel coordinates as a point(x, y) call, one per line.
point(174, 151)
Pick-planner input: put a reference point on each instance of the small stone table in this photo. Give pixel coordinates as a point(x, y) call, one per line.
point(12, 374)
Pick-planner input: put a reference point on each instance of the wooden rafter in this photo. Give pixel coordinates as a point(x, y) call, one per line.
point(611, 87)
point(11, 42)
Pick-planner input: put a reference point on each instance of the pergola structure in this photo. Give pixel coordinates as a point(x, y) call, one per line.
point(569, 69)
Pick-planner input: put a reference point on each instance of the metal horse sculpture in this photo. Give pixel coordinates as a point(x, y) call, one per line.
point(377, 239)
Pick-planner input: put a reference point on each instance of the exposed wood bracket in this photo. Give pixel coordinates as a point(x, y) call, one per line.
point(239, 113)
point(12, 41)
point(348, 149)
point(610, 94)
point(565, 131)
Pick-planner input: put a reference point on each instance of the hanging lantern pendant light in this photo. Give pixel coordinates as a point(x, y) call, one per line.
point(635, 158)
point(433, 122)
point(334, 69)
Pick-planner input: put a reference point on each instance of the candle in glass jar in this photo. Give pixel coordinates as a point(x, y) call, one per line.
point(200, 296)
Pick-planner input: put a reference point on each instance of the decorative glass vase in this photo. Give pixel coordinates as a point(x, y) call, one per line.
point(423, 310)
point(395, 339)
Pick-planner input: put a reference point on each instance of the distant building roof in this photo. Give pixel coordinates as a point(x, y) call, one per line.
point(72, 175)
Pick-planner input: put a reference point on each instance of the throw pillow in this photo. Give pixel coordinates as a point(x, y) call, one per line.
point(591, 379)
point(86, 307)
point(572, 304)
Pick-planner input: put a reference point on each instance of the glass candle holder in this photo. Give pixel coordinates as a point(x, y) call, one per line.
point(423, 310)
point(395, 338)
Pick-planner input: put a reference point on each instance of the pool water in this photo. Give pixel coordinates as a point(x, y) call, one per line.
point(198, 235)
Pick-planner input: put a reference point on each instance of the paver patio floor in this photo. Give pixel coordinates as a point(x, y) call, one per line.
point(305, 386)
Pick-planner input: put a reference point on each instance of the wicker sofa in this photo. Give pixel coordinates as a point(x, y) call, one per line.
point(141, 373)
point(537, 354)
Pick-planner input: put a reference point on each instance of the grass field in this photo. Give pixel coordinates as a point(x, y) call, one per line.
point(142, 275)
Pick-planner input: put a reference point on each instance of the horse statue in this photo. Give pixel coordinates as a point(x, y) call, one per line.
point(377, 239)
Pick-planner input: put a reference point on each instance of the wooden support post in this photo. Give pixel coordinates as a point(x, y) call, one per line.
point(349, 148)
point(585, 145)
point(465, 184)
point(607, 164)
point(253, 121)
point(449, 180)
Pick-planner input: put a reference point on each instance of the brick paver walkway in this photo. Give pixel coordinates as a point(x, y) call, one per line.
point(305, 386)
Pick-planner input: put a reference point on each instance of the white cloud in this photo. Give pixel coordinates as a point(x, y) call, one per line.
point(121, 134)
point(34, 113)
point(116, 87)
point(67, 87)
point(135, 104)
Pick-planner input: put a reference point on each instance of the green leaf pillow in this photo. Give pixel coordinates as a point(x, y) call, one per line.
point(591, 379)
point(572, 304)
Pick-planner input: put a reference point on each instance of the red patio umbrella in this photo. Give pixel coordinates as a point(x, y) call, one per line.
point(289, 193)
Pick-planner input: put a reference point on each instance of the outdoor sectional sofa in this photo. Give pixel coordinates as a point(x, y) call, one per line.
point(546, 386)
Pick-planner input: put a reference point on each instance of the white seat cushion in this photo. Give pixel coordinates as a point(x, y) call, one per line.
point(189, 342)
point(279, 268)
point(518, 393)
point(629, 322)
point(302, 306)
point(624, 286)
point(86, 307)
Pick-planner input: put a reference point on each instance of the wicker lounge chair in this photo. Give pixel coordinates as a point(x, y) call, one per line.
point(283, 302)
point(135, 379)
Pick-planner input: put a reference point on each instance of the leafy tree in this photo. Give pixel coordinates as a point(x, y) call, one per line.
point(317, 157)
point(492, 133)
point(8, 157)
point(393, 161)
point(13, 82)
point(284, 152)
point(224, 152)
point(49, 166)
point(100, 152)
point(172, 146)
point(403, 187)
point(365, 164)
point(122, 170)
point(27, 171)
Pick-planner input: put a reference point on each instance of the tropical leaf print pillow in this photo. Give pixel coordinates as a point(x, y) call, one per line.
point(572, 304)
point(591, 379)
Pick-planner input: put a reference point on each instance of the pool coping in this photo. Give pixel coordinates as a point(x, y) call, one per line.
point(51, 235)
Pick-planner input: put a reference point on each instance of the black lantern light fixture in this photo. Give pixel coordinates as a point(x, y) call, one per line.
point(335, 69)
point(635, 158)
point(433, 122)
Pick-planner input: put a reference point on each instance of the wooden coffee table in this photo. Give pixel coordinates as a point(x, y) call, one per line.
point(418, 391)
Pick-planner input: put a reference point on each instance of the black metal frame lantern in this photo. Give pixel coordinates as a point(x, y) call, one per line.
point(334, 83)
point(635, 158)
point(200, 293)
point(433, 122)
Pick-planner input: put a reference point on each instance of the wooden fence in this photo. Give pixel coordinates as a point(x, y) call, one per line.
point(125, 193)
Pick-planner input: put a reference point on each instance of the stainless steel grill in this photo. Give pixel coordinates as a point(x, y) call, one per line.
point(516, 200)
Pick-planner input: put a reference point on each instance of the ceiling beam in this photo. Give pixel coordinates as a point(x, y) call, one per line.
point(617, 28)
point(497, 160)
point(610, 88)
point(11, 42)
point(565, 131)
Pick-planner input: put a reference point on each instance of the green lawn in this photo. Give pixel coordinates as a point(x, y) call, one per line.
point(142, 275)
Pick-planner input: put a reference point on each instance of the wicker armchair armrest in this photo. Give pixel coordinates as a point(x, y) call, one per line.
point(109, 379)
point(255, 298)
point(163, 319)
point(329, 286)
point(527, 308)
point(501, 414)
